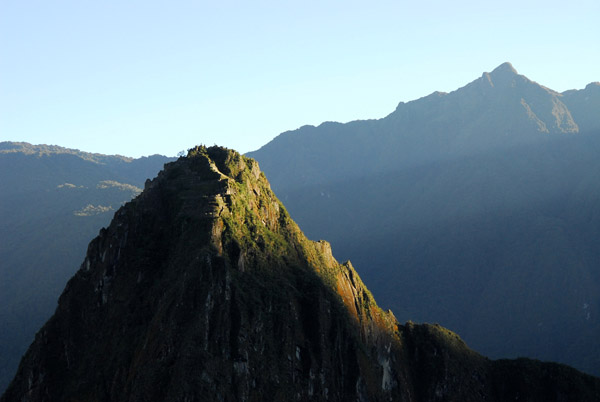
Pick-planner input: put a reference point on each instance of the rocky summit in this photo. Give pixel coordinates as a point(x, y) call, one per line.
point(203, 289)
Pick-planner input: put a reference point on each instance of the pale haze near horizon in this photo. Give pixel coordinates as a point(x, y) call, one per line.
point(140, 78)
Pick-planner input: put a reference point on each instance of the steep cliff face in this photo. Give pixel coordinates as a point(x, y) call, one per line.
point(203, 289)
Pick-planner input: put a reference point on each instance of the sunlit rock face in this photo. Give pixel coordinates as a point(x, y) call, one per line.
point(203, 289)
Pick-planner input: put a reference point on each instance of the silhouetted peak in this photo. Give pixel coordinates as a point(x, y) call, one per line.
point(502, 76)
point(504, 69)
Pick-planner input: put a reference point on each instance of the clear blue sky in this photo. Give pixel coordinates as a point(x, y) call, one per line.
point(143, 77)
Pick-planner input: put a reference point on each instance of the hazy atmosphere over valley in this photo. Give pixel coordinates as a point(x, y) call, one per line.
point(441, 158)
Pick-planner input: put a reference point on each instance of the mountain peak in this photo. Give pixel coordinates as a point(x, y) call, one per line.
point(203, 288)
point(206, 273)
point(503, 75)
point(504, 68)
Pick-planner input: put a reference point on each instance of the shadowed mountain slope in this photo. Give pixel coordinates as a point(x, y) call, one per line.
point(53, 200)
point(203, 288)
point(477, 209)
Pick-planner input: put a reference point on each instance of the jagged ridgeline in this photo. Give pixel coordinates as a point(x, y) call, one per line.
point(203, 289)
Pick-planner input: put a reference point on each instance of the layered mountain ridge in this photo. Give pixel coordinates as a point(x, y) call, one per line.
point(500, 110)
point(537, 106)
point(203, 288)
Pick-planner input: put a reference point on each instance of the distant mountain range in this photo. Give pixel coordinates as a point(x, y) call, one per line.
point(203, 289)
point(53, 200)
point(478, 209)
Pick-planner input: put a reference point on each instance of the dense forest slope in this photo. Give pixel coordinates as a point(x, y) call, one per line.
point(203, 289)
point(53, 200)
point(478, 209)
